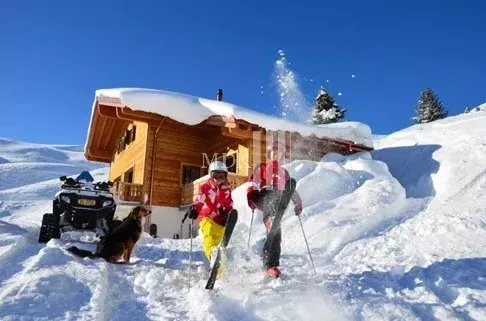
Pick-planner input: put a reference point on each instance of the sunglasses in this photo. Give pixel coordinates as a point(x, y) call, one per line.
point(218, 175)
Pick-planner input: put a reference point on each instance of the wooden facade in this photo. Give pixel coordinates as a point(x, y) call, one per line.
point(159, 161)
point(128, 164)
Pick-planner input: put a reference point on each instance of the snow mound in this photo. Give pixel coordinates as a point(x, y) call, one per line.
point(478, 108)
point(345, 198)
point(442, 167)
point(439, 158)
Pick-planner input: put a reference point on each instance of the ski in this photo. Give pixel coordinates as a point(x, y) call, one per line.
point(228, 230)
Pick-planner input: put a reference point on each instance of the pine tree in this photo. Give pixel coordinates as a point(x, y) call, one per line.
point(429, 107)
point(326, 111)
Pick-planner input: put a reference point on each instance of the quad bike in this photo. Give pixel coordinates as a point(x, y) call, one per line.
point(80, 204)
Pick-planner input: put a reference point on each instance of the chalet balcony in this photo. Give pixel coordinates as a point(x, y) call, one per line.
point(128, 192)
point(191, 189)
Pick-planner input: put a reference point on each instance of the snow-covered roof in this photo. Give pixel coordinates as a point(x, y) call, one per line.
point(193, 110)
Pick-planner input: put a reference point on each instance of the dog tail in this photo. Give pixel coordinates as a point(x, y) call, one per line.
point(82, 253)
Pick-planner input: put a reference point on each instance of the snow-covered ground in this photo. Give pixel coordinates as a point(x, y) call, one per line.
point(396, 234)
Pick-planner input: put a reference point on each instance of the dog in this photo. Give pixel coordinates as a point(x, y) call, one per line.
point(120, 242)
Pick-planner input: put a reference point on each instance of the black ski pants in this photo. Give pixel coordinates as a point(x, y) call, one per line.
point(273, 204)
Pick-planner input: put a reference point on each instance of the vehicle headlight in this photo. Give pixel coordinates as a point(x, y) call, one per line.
point(65, 199)
point(107, 203)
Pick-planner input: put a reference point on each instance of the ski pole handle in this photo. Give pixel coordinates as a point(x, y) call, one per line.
point(187, 213)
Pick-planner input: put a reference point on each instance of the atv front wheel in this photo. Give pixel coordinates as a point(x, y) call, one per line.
point(49, 228)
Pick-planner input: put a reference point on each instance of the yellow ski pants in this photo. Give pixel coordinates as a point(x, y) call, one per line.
point(212, 235)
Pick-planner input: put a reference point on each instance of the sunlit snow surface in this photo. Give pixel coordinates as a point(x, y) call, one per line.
point(396, 234)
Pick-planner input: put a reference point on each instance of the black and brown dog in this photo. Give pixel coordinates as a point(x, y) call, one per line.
point(120, 242)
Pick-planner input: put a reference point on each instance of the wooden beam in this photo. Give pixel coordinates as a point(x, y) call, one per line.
point(215, 121)
point(121, 113)
point(115, 102)
point(101, 131)
point(222, 121)
point(91, 157)
point(237, 133)
point(349, 145)
point(106, 111)
point(100, 153)
point(108, 137)
point(125, 113)
point(94, 123)
point(96, 159)
point(147, 115)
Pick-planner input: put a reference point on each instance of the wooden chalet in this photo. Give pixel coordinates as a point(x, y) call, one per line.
point(160, 162)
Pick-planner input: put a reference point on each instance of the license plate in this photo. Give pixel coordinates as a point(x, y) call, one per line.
point(86, 202)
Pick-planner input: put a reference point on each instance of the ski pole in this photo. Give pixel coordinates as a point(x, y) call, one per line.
point(307, 244)
point(251, 224)
point(190, 253)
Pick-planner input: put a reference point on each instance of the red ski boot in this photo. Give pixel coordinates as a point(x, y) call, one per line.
point(273, 272)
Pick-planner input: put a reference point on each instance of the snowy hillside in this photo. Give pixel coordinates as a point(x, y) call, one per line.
point(25, 163)
point(396, 234)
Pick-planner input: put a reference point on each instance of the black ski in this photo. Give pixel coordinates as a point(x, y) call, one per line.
point(228, 230)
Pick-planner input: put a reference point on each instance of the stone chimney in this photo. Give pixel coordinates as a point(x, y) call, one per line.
point(219, 95)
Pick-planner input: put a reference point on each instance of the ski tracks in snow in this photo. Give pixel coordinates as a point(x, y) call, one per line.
point(446, 290)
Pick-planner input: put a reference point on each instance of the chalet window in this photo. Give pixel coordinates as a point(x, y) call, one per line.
point(128, 176)
point(190, 174)
point(231, 162)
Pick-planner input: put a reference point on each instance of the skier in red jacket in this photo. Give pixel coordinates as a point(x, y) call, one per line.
point(212, 206)
point(270, 182)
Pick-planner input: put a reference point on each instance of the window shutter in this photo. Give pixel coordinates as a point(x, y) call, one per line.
point(134, 130)
point(127, 137)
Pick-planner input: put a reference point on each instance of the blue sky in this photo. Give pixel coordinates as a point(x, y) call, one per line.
point(55, 54)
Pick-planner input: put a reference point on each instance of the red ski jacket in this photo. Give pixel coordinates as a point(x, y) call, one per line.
point(270, 174)
point(214, 201)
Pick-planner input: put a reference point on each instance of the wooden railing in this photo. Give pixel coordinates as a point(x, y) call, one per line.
point(128, 192)
point(191, 189)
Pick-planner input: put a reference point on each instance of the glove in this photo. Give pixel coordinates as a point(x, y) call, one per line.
point(192, 213)
point(298, 209)
point(251, 199)
point(224, 215)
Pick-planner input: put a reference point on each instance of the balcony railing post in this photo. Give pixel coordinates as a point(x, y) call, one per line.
point(128, 192)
